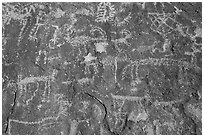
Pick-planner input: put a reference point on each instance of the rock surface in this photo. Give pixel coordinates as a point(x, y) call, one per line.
point(102, 68)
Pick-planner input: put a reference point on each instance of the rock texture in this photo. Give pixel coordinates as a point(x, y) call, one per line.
point(102, 68)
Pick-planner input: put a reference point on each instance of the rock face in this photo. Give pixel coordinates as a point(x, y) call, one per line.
point(102, 68)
